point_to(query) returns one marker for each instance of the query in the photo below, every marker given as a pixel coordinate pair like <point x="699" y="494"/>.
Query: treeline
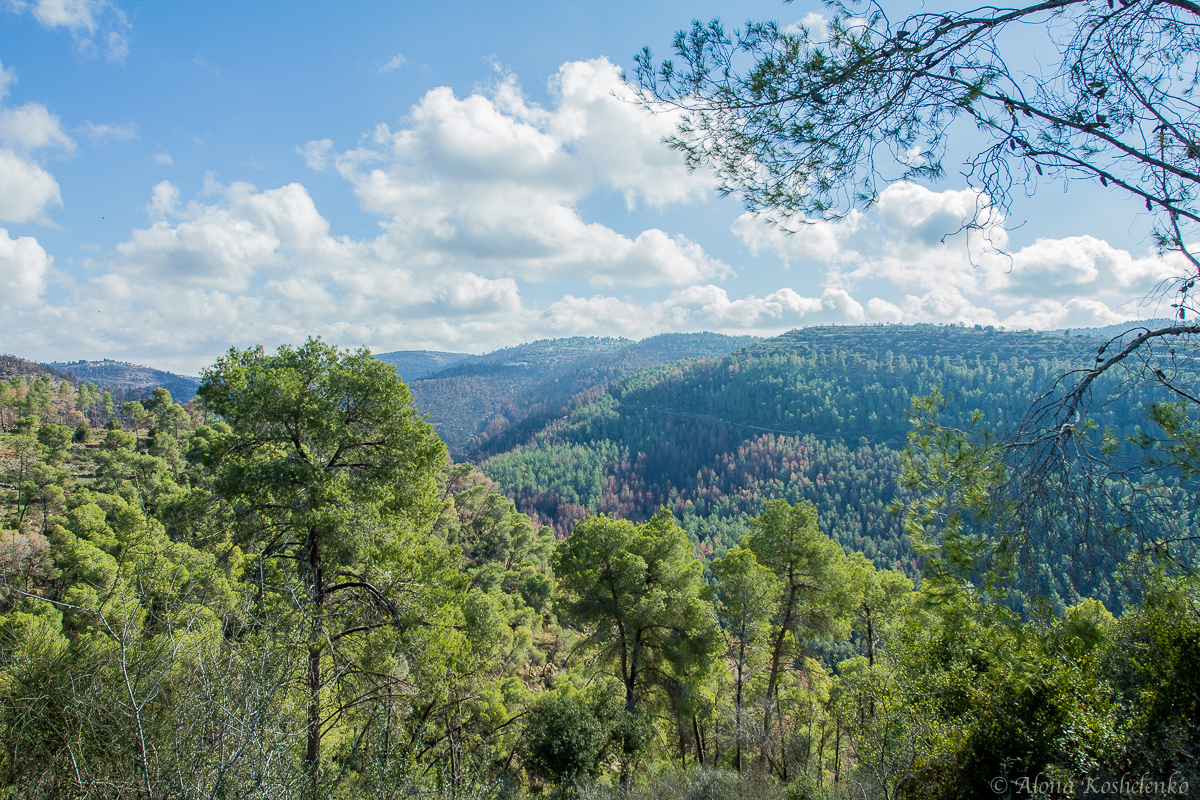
<point x="295" y="594"/>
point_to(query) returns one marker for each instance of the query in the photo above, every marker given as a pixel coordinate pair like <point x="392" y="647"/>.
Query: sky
<point x="180" y="178"/>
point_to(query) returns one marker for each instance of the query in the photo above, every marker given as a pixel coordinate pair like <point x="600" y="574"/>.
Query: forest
<point x="818" y="415"/>
<point x="285" y="588"/>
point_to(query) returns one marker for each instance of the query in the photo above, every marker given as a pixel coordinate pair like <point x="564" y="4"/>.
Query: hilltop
<point x="135" y="380"/>
<point x="483" y="404"/>
<point x="413" y="365"/>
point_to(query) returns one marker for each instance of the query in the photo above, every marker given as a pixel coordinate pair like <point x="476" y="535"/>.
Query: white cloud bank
<point x="23" y="268"/>
<point x="911" y="259"/>
<point x="491" y="183"/>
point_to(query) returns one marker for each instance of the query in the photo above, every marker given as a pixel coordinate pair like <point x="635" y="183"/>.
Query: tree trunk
<point x="777" y="656"/>
<point x="737" y="702"/>
<point x="312" y="756"/>
<point x="630" y="709"/>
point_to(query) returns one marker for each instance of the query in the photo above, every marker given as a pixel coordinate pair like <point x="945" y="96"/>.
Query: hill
<point x="1110" y="331"/>
<point x="412" y="365"/>
<point x="483" y="404"/>
<point x="12" y="366"/>
<point x="134" y="380"/>
<point x="817" y="414"/>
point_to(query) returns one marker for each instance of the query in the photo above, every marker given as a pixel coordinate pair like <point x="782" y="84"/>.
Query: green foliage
<point x="954" y="477"/>
<point x="637" y="593"/>
<point x="566" y="735"/>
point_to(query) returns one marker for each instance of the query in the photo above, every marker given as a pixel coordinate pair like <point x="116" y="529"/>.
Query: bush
<point x="564" y="738"/>
<point x="82" y="435"/>
<point x="695" y="783"/>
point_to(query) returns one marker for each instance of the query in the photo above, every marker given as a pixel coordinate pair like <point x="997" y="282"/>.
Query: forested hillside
<point x="284" y="589"/>
<point x="483" y="403"/>
<point x="818" y="414"/>
<point x="413" y="365"/>
<point x="135" y="380"/>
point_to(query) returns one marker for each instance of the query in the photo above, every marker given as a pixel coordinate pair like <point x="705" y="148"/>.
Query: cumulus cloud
<point x="8" y="77"/>
<point x="491" y="183"/>
<point x="243" y="265"/>
<point x="97" y="25"/>
<point x="698" y="308"/>
<point x="316" y="153"/>
<point x="32" y="127"/>
<point x="928" y="256"/>
<point x="26" y="190"/>
<point x="1075" y="313"/>
<point x="23" y="268"/>
<point x="599" y="117"/>
<point x="813" y="24"/>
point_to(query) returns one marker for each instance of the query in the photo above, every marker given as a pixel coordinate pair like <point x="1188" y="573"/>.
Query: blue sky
<point x="177" y="178"/>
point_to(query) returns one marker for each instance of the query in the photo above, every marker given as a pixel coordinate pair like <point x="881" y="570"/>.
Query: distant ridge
<point x="14" y="365"/>
<point x="135" y="380"/>
<point x="1110" y="331"/>
<point x="481" y="404"/>
<point x="415" y="364"/>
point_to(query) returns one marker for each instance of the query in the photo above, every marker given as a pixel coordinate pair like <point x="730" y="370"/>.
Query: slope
<point x="490" y="403"/>
<point x="132" y="380"/>
<point x="817" y="414"/>
<point x="413" y="365"/>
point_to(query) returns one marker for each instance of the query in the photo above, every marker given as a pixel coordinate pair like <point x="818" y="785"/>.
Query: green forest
<point x="285" y="588"/>
<point x="819" y="415"/>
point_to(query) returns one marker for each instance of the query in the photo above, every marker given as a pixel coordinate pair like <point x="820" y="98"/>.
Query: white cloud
<point x="26" y="190"/>
<point x="33" y="127"/>
<point x="163" y="158"/>
<point x="813" y="25"/>
<point x="261" y="266"/>
<point x="921" y="261"/>
<point x="698" y="308"/>
<point x="490" y="183"/>
<point x="1075" y="313"/>
<point x="23" y="268"/>
<point x="395" y="62"/>
<point x="164" y="200"/>
<point x="95" y="24"/>
<point x="8" y="77"/>
<point x="599" y="117"/>
<point x="123" y="132"/>
<point x="1060" y="268"/>
<point x="316" y="153"/>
